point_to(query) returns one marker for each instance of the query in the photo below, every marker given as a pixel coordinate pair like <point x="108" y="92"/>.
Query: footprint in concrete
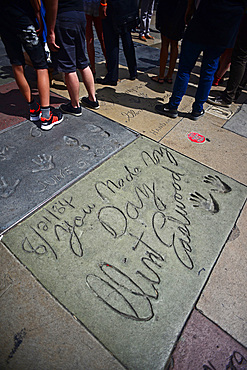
<point x="209" y="204"/>
<point x="218" y="185"/>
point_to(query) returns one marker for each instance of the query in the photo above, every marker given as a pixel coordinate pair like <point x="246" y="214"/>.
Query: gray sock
<point x="45" y="111"/>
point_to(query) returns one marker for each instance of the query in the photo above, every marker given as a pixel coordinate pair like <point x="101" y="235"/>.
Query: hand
<point x="102" y="11"/>
<point x="51" y="41"/>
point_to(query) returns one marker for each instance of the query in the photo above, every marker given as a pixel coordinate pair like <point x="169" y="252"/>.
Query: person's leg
<point x="144" y="15"/>
<point x="173" y="59"/>
<point x="90" y="41"/>
<point x="188" y="57"/>
<point x="149" y="18"/>
<point x="209" y="65"/>
<point x="99" y="31"/>
<point x="111" y="39"/>
<point x="72" y="83"/>
<point x="242" y="84"/>
<point x="22" y="82"/>
<point x="129" y="52"/>
<point x="224" y="64"/>
<point x="43" y="84"/>
<point x="237" y="70"/>
<point x="88" y="80"/>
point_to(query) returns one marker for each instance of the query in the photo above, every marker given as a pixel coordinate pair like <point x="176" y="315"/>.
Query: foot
<point x="105" y="81"/>
<point x="90" y="104"/>
<point x="149" y="37"/>
<point x="217" y="100"/>
<point x="196" y="115"/>
<point x="142" y="38"/>
<point x="166" y="110"/>
<point x="55" y="118"/>
<point x="158" y="79"/>
<point x="168" y="80"/>
<point x="69" y="109"/>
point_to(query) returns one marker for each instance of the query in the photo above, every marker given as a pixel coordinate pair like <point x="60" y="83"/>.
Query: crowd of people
<point x="215" y="29"/>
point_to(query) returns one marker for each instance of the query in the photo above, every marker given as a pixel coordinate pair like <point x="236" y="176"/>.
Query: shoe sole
<point x="196" y="118"/>
<point x="49" y="127"/>
<point x="89" y="106"/>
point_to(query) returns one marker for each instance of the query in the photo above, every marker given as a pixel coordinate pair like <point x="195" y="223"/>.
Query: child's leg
<point x="43" y="84"/>
<point x="173" y="58"/>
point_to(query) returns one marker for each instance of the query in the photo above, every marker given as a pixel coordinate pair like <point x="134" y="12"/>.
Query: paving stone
<point x="224" y="299"/>
<point x="223" y="151"/>
<point x="238" y="122"/>
<point x="36" y="165"/>
<point x="132" y="103"/>
<point x="13" y="107"/>
<point x="37" y="332"/>
<point x="128" y="248"/>
<point x="203" y="345"/>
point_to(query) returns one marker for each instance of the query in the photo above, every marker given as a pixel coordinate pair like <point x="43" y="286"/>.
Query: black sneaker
<point x="196" y="115"/>
<point x="67" y="108"/>
<point x="90" y="104"/>
<point x="55" y="118"/>
<point x="166" y="111"/>
<point x="105" y="81"/>
<point x="217" y="100"/>
<point x="35" y="114"/>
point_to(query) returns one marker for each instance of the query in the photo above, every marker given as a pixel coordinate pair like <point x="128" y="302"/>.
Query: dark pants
<point x="111" y="38"/>
<point x="238" y="75"/>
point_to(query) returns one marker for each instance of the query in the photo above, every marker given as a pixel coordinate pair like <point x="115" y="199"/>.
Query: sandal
<point x="158" y="79"/>
<point x="168" y="80"/>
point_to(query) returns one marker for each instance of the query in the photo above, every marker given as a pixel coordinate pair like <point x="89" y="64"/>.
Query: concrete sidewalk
<point x="123" y="232"/>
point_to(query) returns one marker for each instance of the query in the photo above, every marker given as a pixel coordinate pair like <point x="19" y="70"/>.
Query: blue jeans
<point x="190" y="52"/>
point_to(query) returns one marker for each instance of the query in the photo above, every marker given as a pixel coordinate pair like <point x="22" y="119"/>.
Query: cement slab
<point x="128" y="248"/>
<point x="36" y="165"/>
<point x="203" y="345"/>
<point x="13" y="107"/>
<point x="238" y="122"/>
<point x="37" y="332"/>
<point x="224" y="299"/>
<point x="223" y="150"/>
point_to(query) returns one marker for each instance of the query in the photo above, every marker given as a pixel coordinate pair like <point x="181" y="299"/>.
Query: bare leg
<point x="173" y="58"/>
<point x="163" y="57"/>
<point x="88" y="80"/>
<point x="72" y="83"/>
<point x="99" y="31"/>
<point x="22" y="82"/>
<point x="43" y="84"/>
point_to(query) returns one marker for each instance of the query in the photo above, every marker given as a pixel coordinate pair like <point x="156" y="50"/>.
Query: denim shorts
<point x="70" y="36"/>
<point x="23" y="35"/>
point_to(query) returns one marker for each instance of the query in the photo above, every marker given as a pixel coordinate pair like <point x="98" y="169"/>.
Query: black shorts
<point x="70" y="36"/>
<point x="21" y="35"/>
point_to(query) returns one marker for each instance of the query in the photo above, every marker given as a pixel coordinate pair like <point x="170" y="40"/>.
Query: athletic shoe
<point x="35" y="114"/>
<point x="166" y="111"/>
<point x="142" y="38"/>
<point x="55" y="118"/>
<point x="149" y="37"/>
<point x="196" y="115"/>
<point x="105" y="81"/>
<point x="90" y="104"/>
<point x="217" y="100"/>
<point x="68" y="109"/>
